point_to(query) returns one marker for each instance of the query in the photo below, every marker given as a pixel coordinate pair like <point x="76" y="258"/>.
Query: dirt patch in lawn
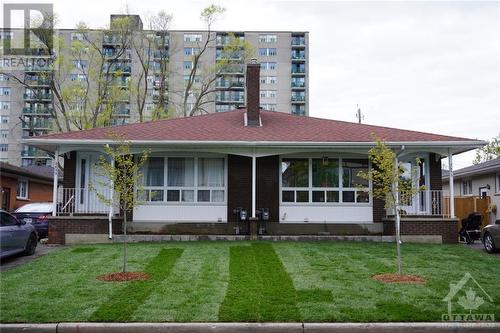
<point x="124" y="276"/>
<point x="399" y="278"/>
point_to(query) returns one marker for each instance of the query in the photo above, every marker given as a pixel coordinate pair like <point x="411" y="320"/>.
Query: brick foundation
<point x="444" y="227"/>
<point x="61" y="225"/>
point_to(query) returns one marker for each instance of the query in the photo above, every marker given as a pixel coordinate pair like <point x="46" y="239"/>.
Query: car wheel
<point x="489" y="245"/>
<point x="31" y="245"/>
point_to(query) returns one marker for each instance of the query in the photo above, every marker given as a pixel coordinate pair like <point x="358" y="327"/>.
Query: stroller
<point x="471" y="228"/>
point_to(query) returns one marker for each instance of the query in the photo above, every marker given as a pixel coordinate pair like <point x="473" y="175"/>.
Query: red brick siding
<point x="446" y="228"/>
<point x="268" y="186"/>
<point x="239" y="186"/>
<point x="253" y="94"/>
<point x="37" y="192"/>
<point x="59" y="227"/>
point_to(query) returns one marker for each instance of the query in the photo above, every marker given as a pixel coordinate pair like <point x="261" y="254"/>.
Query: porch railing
<point x="81" y="201"/>
<point x="426" y="203"/>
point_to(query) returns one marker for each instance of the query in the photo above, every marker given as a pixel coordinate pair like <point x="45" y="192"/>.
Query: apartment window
<point x="268" y="80"/>
<point x="4" y="105"/>
<point x="4" y="77"/>
<point x="190" y="179"/>
<point x="188" y="65"/>
<point x="4" y="119"/>
<point x="192" y="37"/>
<point x="268" y="38"/>
<point x="4" y="147"/>
<point x="268" y="93"/>
<point x="6" y="35"/>
<point x="22" y="189"/>
<point x="77" y="36"/>
<point x="4" y="91"/>
<point x="268" y="107"/>
<point x="189" y="51"/>
<point x="271" y="51"/>
<point x="268" y="65"/>
<point x="324" y="180"/>
<point x="4" y="134"/>
<point x="80" y="64"/>
<point x="78" y="77"/>
<point x="467" y="187"/>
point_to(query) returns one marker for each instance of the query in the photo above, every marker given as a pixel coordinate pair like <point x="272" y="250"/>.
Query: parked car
<point x="36" y="214"/>
<point x="491" y="237"/>
<point x="16" y="236"/>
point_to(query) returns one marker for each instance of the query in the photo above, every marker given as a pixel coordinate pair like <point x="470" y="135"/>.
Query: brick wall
<point x="69" y="170"/>
<point x="446" y="228"/>
<point x="37" y="192"/>
<point x="60" y="226"/>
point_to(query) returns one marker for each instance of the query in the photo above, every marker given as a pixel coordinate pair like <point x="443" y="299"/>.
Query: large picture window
<point x="189" y="179"/>
<point x="323" y="180"/>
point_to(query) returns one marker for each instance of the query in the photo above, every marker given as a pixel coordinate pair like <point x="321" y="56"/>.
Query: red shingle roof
<point x="229" y="126"/>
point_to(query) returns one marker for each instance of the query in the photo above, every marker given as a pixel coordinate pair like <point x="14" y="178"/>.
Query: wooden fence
<point x="466" y="205"/>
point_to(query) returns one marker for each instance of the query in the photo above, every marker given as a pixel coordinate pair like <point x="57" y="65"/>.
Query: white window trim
<point x="497" y="183"/>
<point x="310" y="188"/>
<point x="26" y="197"/>
<point x="195" y="187"/>
<point x="471" y="194"/>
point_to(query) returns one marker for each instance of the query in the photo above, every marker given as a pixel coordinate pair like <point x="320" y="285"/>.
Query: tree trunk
<point x="397" y="215"/>
<point x="125" y="240"/>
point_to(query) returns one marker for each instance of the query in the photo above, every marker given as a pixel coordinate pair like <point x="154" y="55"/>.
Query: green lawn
<point x="243" y="281"/>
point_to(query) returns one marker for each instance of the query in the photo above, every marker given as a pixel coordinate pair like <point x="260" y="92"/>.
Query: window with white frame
<point x="467" y="187"/>
<point x="4" y="77"/>
<point x="22" y="189"/>
<point x="268" y="51"/>
<point x="192" y="37"/>
<point x="4" y="134"/>
<point x="4" y="91"/>
<point x="268" y="80"/>
<point x="268" y="65"/>
<point x="4" y="147"/>
<point x="268" y="93"/>
<point x="77" y="36"/>
<point x="184" y="180"/>
<point x="268" y="38"/>
<point x="6" y="35"/>
<point x="4" y="105"/>
<point x="269" y="107"/>
<point x="497" y="183"/>
<point x="324" y="181"/>
<point x="4" y="119"/>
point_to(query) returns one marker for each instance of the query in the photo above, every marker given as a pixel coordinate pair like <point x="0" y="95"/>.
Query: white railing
<point x="427" y="202"/>
<point x="81" y="201"/>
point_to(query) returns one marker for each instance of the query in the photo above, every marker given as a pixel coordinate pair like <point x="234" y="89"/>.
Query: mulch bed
<point x="399" y="278"/>
<point x="124" y="276"/>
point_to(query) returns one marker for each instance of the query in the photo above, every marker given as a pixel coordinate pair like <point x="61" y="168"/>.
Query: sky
<point x="426" y="66"/>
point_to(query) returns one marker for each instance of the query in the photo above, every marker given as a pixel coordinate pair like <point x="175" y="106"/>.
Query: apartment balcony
<point x="230" y="99"/>
<point x="298" y="85"/>
<point x="233" y="70"/>
<point x="298" y="57"/>
<point x="38" y="97"/>
<point x="299" y="111"/>
<point x="298" y="42"/>
<point x="298" y="99"/>
<point x="298" y="71"/>
<point x="121" y="69"/>
<point x="33" y="152"/>
<point x="157" y="84"/>
<point x="230" y="85"/>
<point x="38" y="124"/>
<point x="121" y="112"/>
<point x="38" y="82"/>
<point x="111" y="40"/>
<point x="47" y="111"/>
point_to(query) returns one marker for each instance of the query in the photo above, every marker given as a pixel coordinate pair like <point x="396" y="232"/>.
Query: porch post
<point x="452" y="184"/>
<point x="254" y="182"/>
<point x="55" y="165"/>
<point x="111" y="197"/>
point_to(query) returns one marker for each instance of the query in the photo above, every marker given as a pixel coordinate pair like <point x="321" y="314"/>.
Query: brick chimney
<point x="253" y="93"/>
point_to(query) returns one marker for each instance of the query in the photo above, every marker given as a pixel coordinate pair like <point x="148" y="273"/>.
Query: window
<point x="269" y="107"/>
<point x="77" y="36"/>
<point x="7" y="220"/>
<point x="467" y="187"/>
<point x="22" y="189"/>
<point x="268" y="65"/>
<point x="80" y="64"/>
<point x="498" y="183"/>
<point x="4" y="134"/>
<point x="324" y="180"/>
<point x="268" y="39"/>
<point x="4" y="147"/>
<point x="192" y="37"/>
<point x="188" y="51"/>
<point x="4" y="119"/>
<point x="4" y="77"/>
<point x="271" y="51"/>
<point x="189" y="179"/>
<point x="5" y="91"/>
<point x="268" y="80"/>
<point x="268" y="93"/>
<point x="4" y="105"/>
<point x="6" y="35"/>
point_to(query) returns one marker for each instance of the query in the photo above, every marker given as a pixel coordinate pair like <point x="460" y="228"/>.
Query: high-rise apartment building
<point x="29" y="108"/>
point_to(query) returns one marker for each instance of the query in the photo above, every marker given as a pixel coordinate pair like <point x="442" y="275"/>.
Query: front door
<point x="416" y="175"/>
<point x="89" y="182"/>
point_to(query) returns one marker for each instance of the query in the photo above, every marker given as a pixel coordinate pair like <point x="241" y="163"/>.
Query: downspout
<point x="451" y="184"/>
<point x="55" y="182"/>
<point x="111" y="202"/>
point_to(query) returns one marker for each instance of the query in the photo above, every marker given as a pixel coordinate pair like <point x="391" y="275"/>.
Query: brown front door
<point x="6" y="198"/>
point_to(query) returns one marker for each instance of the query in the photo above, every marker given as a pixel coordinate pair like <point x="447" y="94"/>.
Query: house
<point x="205" y="172"/>
<point x="22" y="185"/>
<point x="481" y="180"/>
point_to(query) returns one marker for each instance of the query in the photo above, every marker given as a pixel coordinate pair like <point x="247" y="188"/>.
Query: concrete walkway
<point x="438" y="327"/>
<point x="21" y="259"/>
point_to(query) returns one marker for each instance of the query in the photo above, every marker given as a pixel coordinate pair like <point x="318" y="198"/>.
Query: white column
<point x="55" y="165"/>
<point x="254" y="186"/>
<point x="111" y="197"/>
<point x="452" y="184"/>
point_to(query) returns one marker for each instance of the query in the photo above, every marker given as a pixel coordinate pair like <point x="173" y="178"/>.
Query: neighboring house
<point x="25" y="185"/>
<point x="303" y="170"/>
<point x="481" y="180"/>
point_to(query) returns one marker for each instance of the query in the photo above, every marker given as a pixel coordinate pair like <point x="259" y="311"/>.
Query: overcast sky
<point x="427" y="66"/>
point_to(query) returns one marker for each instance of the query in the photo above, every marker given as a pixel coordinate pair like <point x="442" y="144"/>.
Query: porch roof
<point x="278" y="129"/>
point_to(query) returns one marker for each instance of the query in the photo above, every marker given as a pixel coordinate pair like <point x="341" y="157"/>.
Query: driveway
<point x="17" y="260"/>
<point x="478" y="246"/>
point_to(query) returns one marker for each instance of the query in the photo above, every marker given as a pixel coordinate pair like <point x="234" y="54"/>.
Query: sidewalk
<point x="438" y="327"/>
